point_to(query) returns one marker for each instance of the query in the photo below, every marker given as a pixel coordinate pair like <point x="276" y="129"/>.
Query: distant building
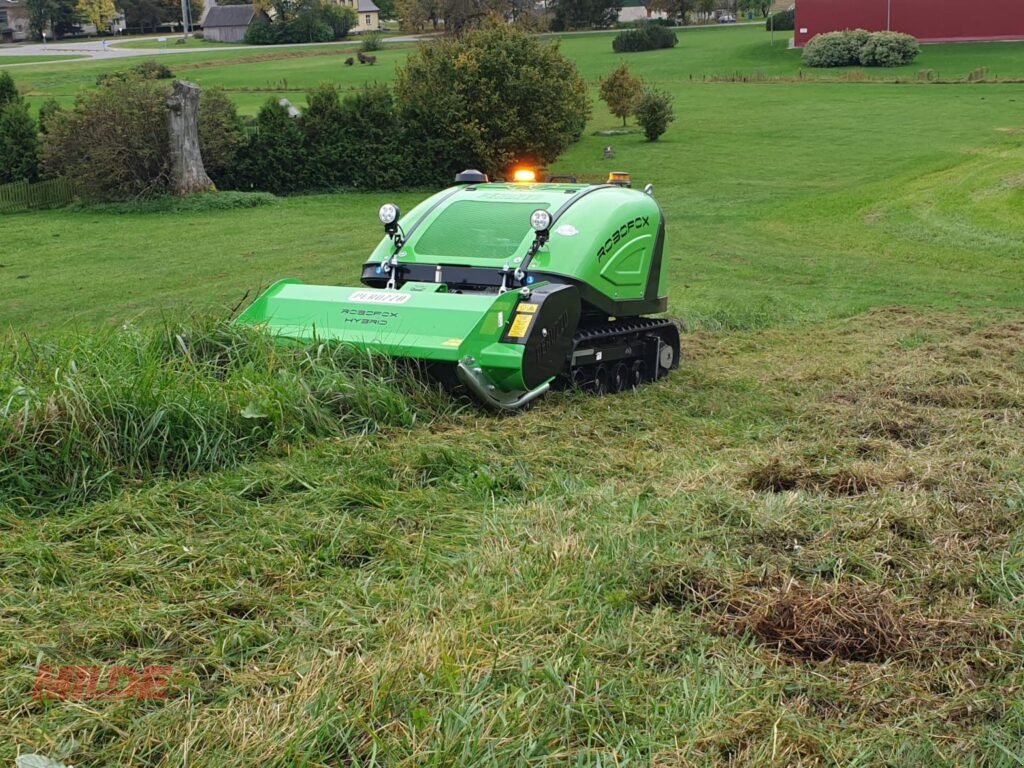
<point x="932" y="21"/>
<point x="368" y="14"/>
<point x="638" y="10"/>
<point x="13" y="21"/>
<point x="229" y="23"/>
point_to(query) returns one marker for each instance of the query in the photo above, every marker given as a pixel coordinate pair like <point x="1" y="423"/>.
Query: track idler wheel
<point x="618" y="380"/>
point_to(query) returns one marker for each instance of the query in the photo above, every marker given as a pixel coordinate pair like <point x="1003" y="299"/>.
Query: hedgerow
<point x="644" y="37"/>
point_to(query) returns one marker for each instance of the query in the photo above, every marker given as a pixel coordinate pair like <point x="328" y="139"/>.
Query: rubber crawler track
<point x="626" y="355"/>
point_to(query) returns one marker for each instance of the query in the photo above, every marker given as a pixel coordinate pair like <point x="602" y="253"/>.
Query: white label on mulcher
<point x="379" y="297"/>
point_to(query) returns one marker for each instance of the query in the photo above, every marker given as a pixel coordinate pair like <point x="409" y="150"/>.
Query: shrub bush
<point x="654" y="113"/>
<point x="273" y="159"/>
<point x="889" y="49"/>
<point x="220" y="134"/>
<point x="198" y="203"/>
<point x="835" y="49"/>
<point x="263" y="33"/>
<point x="144" y="70"/>
<point x="857" y="47"/>
<point x="114" y="142"/>
<point x="352" y="142"/>
<point x="374" y="41"/>
<point x="645" y="37"/>
<point x="47" y="111"/>
<point x="488" y="99"/>
<point x="783" y="20"/>
<point x="153" y="70"/>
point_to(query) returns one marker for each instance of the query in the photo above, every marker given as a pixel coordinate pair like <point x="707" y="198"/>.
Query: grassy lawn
<point x="172" y="41"/>
<point x="804" y="548"/>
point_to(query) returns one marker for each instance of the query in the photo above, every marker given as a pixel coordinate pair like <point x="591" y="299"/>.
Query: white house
<point x="638" y="10"/>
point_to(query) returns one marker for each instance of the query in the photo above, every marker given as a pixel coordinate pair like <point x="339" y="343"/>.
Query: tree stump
<point x="188" y="175"/>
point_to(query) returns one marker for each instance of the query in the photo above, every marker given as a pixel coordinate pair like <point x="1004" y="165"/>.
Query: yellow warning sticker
<point x="524" y="307"/>
<point x="451" y="343"/>
<point x="520" y="325"/>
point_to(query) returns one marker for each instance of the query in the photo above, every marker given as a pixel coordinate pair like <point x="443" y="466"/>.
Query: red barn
<point x="931" y="21"/>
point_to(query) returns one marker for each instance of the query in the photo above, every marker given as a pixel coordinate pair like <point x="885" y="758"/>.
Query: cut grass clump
<point x="778" y="475"/>
<point x="820" y="622"/>
<point x="200" y="203"/>
<point x="82" y="417"/>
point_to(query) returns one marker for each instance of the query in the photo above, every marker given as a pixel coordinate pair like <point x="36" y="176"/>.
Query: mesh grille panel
<point x="478" y="229"/>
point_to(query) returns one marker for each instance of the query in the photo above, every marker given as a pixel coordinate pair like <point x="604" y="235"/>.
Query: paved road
<point x="95" y="50"/>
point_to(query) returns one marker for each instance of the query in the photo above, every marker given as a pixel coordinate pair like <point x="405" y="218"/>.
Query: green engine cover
<point x="608" y="241"/>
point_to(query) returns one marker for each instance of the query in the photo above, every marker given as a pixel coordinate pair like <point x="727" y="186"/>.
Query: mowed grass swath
<point x="803" y="548"/>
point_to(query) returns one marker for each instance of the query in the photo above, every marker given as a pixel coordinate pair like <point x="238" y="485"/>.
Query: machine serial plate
<point x="379" y="297"/>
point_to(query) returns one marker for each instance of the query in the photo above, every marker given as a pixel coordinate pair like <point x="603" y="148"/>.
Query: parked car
<point x="726" y="18"/>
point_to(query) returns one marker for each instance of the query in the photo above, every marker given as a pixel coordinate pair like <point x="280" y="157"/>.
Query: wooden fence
<point x="22" y="196"/>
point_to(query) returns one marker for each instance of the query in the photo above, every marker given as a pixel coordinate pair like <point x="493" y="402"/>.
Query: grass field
<point x="255" y="75"/>
<point x="804" y="548"/>
<point x="33" y="59"/>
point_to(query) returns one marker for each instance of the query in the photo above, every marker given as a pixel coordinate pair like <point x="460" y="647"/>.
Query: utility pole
<point x="186" y="18"/>
<point x="888" y="15"/>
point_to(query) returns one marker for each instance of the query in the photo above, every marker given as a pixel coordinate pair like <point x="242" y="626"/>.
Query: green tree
<point x="61" y="16"/>
<point x="585" y="14"/>
<point x="19" y="144"/>
<point x="676" y="9"/>
<point x="621" y="92"/>
<point x="19" y="135"/>
<point x="142" y="15"/>
<point x="417" y="15"/>
<point x="99" y="12"/>
<point x="488" y="99"/>
<point x="763" y="7"/>
<point x="654" y="112"/>
<point x="8" y="90"/>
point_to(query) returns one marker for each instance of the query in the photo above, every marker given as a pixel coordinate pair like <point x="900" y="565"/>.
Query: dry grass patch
<point x="850" y="622"/>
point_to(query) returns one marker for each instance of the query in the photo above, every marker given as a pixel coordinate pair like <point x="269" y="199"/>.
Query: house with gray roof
<point x="367" y="12"/>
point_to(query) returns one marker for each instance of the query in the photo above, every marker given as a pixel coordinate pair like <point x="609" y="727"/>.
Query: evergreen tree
<point x="19" y="144"/>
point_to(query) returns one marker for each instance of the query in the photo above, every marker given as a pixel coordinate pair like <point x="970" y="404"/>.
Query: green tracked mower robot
<point x="508" y="288"/>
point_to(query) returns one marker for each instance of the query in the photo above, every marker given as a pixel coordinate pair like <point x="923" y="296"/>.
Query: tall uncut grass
<point x="81" y="417"/>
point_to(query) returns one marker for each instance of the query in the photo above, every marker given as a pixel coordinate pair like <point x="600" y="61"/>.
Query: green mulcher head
<point x="515" y="287"/>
